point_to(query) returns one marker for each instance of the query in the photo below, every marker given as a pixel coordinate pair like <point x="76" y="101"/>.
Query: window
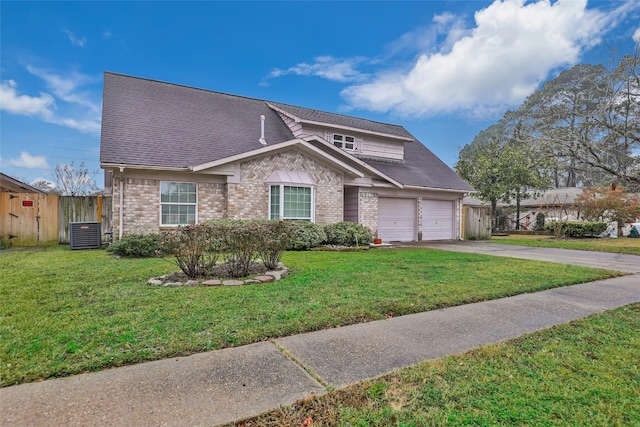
<point x="178" y="202"/>
<point x="290" y="202"/>
<point x="344" y="141"/>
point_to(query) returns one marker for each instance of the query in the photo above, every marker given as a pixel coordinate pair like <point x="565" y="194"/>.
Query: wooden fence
<point x="476" y="222"/>
<point x="31" y="219"/>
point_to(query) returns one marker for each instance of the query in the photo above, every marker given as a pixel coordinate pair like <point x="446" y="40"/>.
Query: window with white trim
<point x="344" y="141"/>
<point x="291" y="202"/>
<point x="178" y="203"/>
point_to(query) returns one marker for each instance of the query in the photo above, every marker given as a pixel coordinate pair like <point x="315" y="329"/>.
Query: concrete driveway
<point x="609" y="261"/>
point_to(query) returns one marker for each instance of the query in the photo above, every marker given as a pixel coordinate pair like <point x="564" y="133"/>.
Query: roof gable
<point x="151" y="123"/>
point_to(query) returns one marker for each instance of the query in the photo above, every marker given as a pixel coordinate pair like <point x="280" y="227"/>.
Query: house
<point x="175" y="155"/>
<point x="9" y="184"/>
<point x="557" y="204"/>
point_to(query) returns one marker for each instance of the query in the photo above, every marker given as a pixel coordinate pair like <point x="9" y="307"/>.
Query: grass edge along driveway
<point x="66" y="312"/>
<point x="620" y="245"/>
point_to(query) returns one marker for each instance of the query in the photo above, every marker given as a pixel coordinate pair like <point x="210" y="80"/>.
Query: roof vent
<point x="262" y="140"/>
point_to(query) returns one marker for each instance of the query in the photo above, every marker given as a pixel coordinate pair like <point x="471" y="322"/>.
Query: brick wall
<point x="368" y="211"/>
<point x="250" y="198"/>
<point x="141" y="212"/>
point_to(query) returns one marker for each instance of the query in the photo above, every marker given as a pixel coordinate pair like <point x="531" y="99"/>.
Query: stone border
<point x="269" y="276"/>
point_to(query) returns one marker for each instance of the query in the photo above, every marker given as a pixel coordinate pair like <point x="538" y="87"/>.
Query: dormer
<point x="360" y="137"/>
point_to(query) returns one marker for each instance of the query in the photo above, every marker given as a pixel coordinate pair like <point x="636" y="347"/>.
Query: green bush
<point x="304" y="235"/>
<point x="577" y="229"/>
<point x="540" y="219"/>
<point x="348" y="234"/>
<point x="195" y="247"/>
<point x="240" y="240"/>
<point x="136" y="246"/>
<point x="275" y="238"/>
<point x="3" y="243"/>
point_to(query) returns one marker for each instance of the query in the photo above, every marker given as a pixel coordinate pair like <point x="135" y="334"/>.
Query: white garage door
<point x="396" y="219"/>
<point x="437" y="220"/>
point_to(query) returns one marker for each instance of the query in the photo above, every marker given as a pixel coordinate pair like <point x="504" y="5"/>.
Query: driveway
<point x="609" y="261"/>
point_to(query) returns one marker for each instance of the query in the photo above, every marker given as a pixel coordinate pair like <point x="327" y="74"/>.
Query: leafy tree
<point x="588" y="118"/>
<point x="72" y="181"/>
<point x="609" y="204"/>
<point x="502" y="169"/>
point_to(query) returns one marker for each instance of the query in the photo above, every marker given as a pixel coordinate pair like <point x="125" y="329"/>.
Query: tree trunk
<point x="518" y="197"/>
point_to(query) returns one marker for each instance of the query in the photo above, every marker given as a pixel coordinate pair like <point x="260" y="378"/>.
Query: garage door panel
<point x="396" y="219"/>
<point x="438" y="220"/>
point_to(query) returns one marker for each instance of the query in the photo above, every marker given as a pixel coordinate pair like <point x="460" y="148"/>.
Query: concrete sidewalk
<point x="231" y="384"/>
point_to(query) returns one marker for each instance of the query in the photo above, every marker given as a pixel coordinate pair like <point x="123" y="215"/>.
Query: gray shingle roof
<point x="157" y="124"/>
<point x="339" y="119"/>
<point x="421" y="168"/>
<point x="179" y="126"/>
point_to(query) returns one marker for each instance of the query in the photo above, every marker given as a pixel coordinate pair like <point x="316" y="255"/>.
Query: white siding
<point x="438" y="220"/>
<point x="367" y="145"/>
<point x="396" y="219"/>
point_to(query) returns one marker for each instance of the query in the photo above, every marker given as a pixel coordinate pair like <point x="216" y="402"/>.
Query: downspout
<point x="121" y="207"/>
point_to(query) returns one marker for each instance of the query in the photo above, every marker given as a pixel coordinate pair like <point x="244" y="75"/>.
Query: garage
<point x="438" y="220"/>
<point x="396" y="219"/>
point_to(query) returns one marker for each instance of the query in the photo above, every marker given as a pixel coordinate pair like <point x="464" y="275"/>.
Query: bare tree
<point x="46" y="186"/>
<point x="72" y="181"/>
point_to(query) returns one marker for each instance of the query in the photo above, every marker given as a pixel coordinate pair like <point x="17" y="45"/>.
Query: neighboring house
<point x="558" y="204"/>
<point x="9" y="184"/>
<point x="175" y="155"/>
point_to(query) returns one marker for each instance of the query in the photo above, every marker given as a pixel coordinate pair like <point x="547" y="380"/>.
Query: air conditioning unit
<point x="84" y="235"/>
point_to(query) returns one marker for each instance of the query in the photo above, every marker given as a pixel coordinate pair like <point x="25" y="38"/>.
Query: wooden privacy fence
<point x="31" y="219"/>
<point x="477" y="222"/>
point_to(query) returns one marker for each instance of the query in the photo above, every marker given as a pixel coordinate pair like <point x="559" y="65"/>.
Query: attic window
<point x="344" y="141"/>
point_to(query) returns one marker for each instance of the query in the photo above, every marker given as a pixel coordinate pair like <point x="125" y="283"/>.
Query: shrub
<point x="348" y="234"/>
<point x="304" y="235"/>
<point x="136" y="246"/>
<point x="240" y="242"/>
<point x="577" y="229"/>
<point x="195" y="247"/>
<point x="3" y="243"/>
<point x="274" y="241"/>
<point x="540" y="219"/>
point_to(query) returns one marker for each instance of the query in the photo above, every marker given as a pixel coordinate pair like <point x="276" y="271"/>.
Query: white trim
<point x="123" y="166"/>
<point x="415" y="187"/>
<point x="331" y="125"/>
<point x="353" y="159"/>
<point x="242" y="156"/>
<point x="281" y="216"/>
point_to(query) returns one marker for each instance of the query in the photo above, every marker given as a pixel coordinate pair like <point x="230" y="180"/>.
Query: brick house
<point x="174" y="155"/>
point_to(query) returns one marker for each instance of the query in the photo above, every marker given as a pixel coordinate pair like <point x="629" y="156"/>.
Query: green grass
<point x="583" y="373"/>
<point x="65" y="312"/>
<point x="620" y="245"/>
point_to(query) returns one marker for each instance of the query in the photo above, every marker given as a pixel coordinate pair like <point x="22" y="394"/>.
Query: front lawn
<point x="621" y="245"/>
<point x="583" y="373"/>
<point x="65" y="312"/>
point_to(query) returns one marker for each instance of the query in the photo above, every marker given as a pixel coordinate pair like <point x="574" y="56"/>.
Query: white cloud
<point x="27" y="161"/>
<point x="45" y="106"/>
<point x="66" y="87"/>
<point x="512" y="48"/>
<point x="76" y="41"/>
<point x="25" y="105"/>
<point x="328" y="67"/>
<point x="636" y="36"/>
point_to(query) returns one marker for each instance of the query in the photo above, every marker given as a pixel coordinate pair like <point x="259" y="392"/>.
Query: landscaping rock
<point x="232" y="283"/>
<point x="212" y="282"/>
<point x="178" y="278"/>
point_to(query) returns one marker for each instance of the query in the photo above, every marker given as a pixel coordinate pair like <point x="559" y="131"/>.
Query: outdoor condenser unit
<point x="84" y="235"/>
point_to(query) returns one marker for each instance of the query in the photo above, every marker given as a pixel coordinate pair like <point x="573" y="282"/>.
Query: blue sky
<point x="443" y="69"/>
